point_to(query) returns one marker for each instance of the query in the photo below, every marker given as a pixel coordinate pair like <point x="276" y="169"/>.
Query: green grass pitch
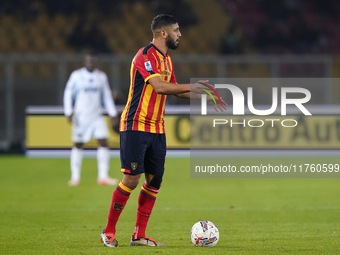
<point x="40" y="214"/>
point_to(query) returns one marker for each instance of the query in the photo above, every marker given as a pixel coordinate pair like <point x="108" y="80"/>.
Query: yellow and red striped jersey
<point x="144" y="109"/>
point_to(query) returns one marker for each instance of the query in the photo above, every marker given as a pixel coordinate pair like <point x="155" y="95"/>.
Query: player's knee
<point x="156" y="181"/>
<point x="131" y="181"/>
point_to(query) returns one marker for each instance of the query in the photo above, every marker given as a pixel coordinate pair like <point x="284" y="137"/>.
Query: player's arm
<point x="147" y="66"/>
<point x="167" y="88"/>
<point x="186" y="95"/>
<point x="212" y="101"/>
<point x="110" y="105"/>
<point x="108" y="100"/>
<point x="189" y="95"/>
<point x="68" y="97"/>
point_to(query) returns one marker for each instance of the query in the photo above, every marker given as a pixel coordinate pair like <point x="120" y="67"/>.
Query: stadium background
<point x="42" y="43"/>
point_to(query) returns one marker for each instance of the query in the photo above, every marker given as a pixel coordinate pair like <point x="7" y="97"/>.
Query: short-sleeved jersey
<point x="144" y="109"/>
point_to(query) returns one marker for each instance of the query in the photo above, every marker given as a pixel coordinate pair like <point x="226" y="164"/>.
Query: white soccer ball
<point x="204" y="233"/>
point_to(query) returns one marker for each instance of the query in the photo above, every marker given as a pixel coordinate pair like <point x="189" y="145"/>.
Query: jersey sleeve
<point x="147" y="65"/>
<point x="107" y="98"/>
<point x="68" y="95"/>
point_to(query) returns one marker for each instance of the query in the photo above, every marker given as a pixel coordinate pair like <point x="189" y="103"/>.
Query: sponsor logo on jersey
<point x="90" y="89"/>
<point x="148" y="66"/>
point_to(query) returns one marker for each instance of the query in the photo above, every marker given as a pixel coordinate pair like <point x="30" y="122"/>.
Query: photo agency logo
<point x="239" y="105"/>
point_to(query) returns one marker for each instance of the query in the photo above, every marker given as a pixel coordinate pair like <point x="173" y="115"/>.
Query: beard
<point x="170" y="43"/>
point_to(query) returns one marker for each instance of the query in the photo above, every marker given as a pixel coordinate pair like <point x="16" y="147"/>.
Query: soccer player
<point x="142" y="134"/>
<point x="86" y="90"/>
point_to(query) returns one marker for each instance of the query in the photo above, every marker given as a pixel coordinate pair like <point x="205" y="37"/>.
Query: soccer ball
<point x="204" y="233"/>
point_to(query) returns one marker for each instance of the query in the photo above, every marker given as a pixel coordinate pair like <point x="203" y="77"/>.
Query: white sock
<point x="76" y="160"/>
<point x="103" y="160"/>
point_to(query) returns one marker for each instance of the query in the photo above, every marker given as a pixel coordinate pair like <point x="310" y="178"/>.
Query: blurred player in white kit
<point x="86" y="91"/>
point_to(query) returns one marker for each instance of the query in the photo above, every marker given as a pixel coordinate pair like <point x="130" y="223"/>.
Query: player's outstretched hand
<point x="214" y="99"/>
<point x="115" y="123"/>
<point x="199" y="87"/>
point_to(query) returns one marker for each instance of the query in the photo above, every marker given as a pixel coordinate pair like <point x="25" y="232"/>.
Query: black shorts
<point x="142" y="152"/>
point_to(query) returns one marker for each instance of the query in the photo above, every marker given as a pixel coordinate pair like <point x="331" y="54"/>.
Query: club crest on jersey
<point x="148" y="66"/>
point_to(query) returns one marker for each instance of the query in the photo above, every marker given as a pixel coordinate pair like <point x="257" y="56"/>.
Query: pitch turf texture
<point x="40" y="214"/>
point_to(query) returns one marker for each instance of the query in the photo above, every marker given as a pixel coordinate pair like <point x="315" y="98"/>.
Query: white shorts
<point x="82" y="132"/>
